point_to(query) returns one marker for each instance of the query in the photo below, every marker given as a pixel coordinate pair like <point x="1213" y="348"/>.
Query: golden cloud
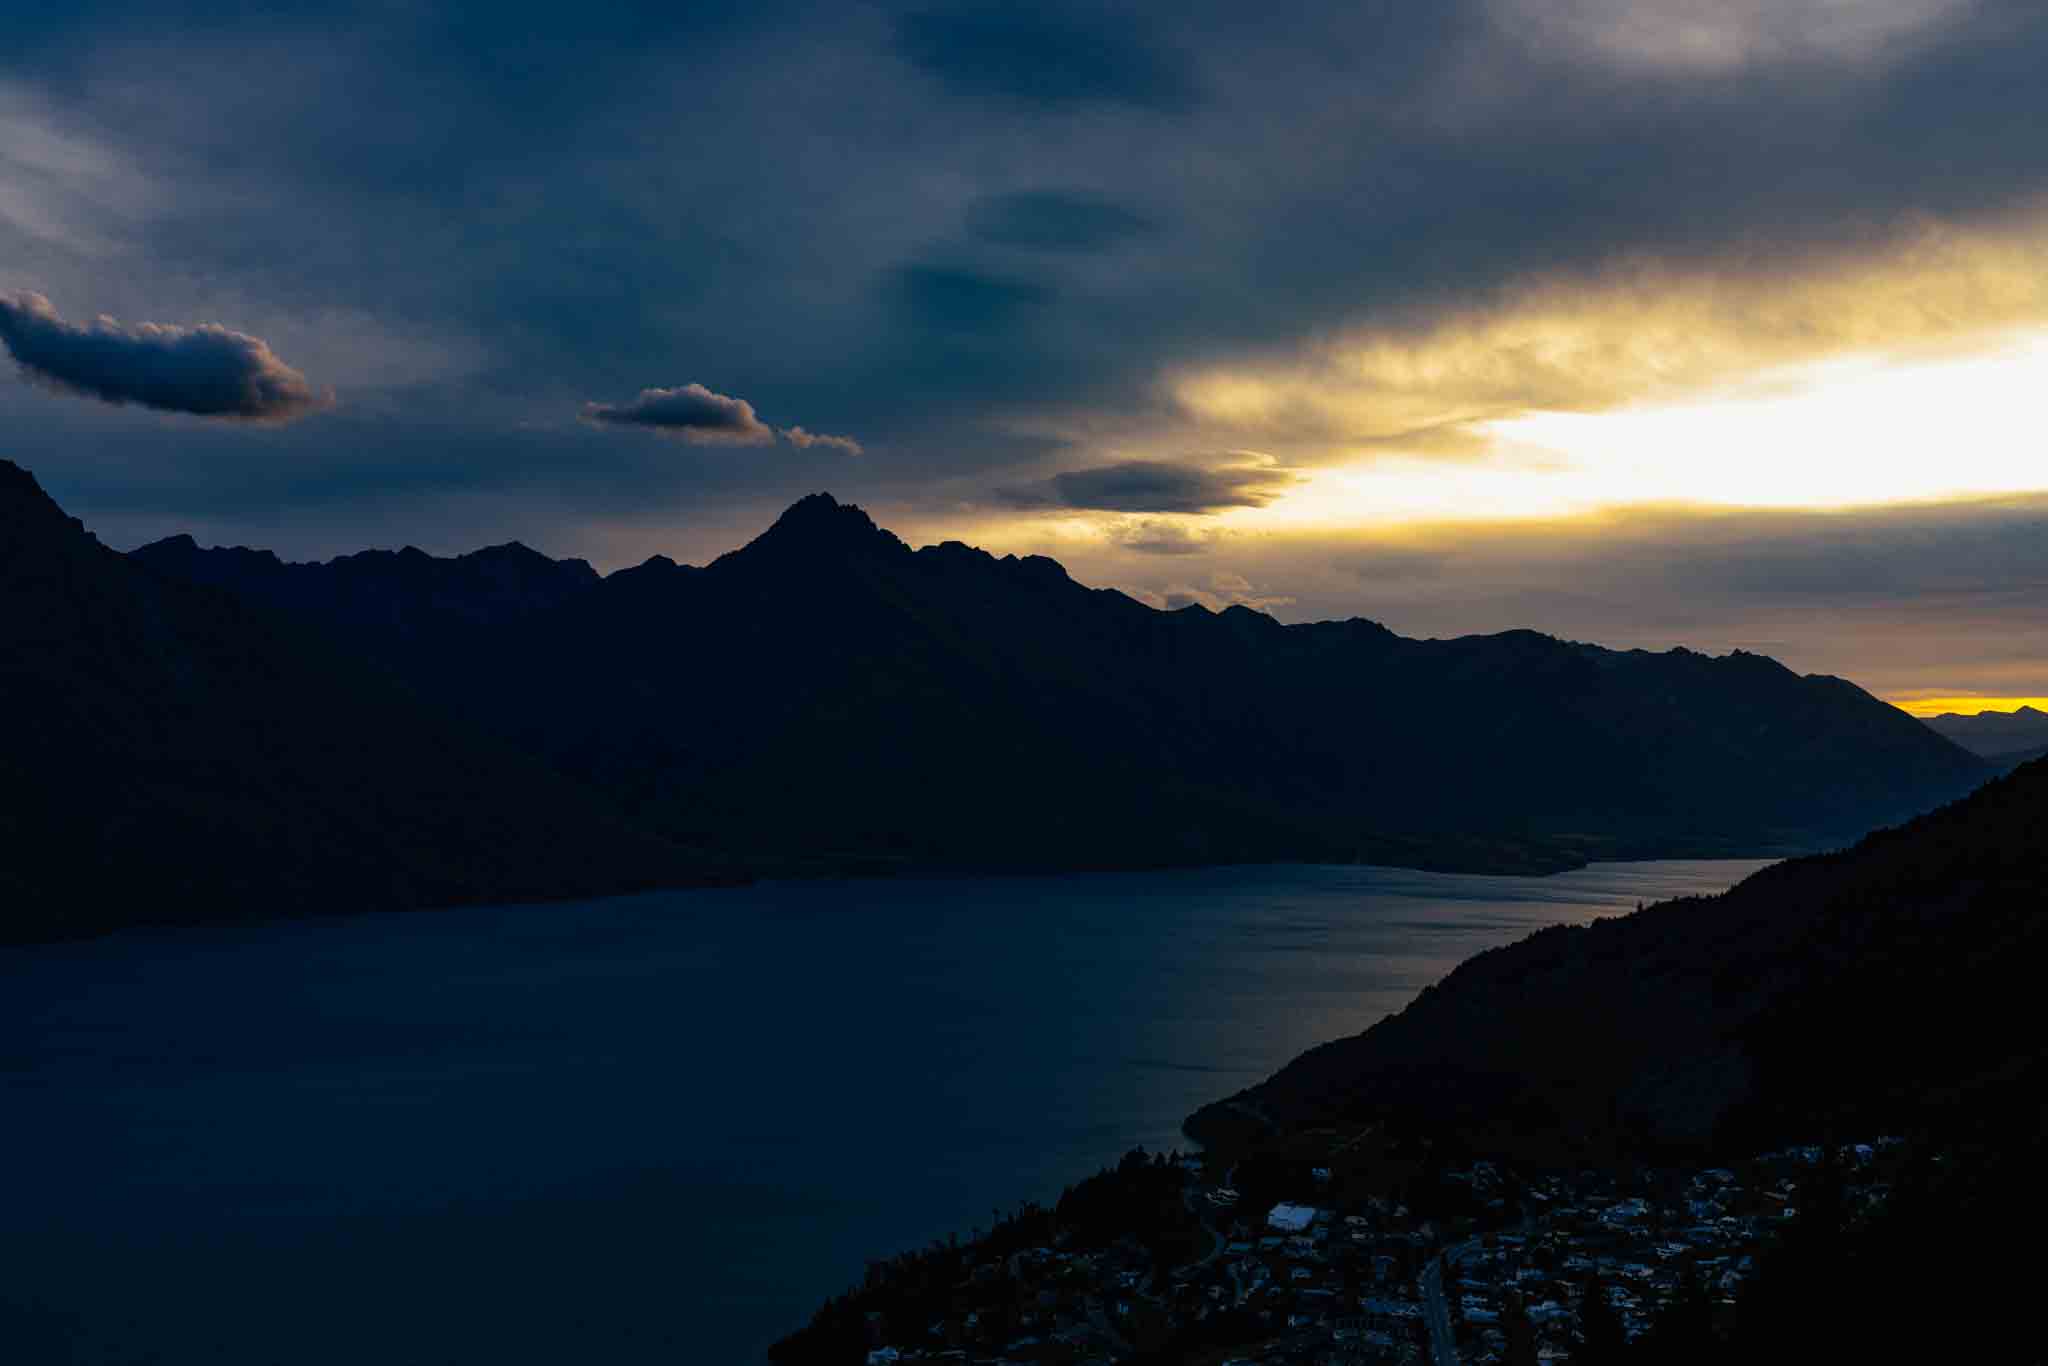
<point x="1638" y="331"/>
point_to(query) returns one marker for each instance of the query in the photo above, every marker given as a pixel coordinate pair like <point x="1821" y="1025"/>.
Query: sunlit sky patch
<point x="1966" y="706"/>
<point x="1855" y="431"/>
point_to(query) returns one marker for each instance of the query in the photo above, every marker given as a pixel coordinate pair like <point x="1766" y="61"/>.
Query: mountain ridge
<point x="1995" y="735"/>
<point x="182" y="754"/>
<point x="829" y="695"/>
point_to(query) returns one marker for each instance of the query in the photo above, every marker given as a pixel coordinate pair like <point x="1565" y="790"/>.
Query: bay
<point x="658" y="1128"/>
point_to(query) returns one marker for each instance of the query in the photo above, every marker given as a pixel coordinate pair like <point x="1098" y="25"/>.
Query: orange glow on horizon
<point x="1966" y="706"/>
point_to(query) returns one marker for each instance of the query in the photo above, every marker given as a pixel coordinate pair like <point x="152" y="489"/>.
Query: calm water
<point x="656" y="1129"/>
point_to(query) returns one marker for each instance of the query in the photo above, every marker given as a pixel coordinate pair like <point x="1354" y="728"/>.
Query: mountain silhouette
<point x="1879" y="989"/>
<point x="386" y="602"/>
<point x="827" y="697"/>
<point x="179" y="753"/>
<point x="2000" y="735"/>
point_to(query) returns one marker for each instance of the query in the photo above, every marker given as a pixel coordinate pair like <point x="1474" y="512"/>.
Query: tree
<point x="1685" y="1332"/>
<point x="1521" y="1331"/>
<point x="1603" y="1338"/>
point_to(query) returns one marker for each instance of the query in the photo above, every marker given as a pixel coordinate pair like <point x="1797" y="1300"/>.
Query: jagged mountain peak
<point x="23" y="496"/>
<point x="819" y="525"/>
<point x="30" y="518"/>
<point x="14" y="479"/>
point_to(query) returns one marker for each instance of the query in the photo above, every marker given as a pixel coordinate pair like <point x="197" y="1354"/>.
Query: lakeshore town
<point x="1303" y="1261"/>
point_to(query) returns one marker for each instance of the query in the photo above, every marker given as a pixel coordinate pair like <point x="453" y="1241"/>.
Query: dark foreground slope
<point x="1882" y="987"/>
<point x="175" y="754"/>
<point x="828" y="694"/>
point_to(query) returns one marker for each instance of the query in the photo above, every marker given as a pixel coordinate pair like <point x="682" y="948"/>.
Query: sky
<point x="1645" y="322"/>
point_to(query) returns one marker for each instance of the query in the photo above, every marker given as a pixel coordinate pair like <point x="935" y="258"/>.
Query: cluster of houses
<point x="1320" y="1281"/>
<point x="1642" y="1243"/>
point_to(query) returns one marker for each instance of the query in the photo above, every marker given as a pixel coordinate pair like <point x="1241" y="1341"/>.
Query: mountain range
<point x="2003" y="736"/>
<point x="826" y="699"/>
<point x="176" y="754"/>
<point x="827" y="693"/>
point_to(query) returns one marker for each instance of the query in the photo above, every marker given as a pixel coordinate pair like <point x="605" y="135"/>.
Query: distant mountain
<point x="1995" y="734"/>
<point x="827" y="697"/>
<point x="176" y="753"/>
<point x="1882" y="988"/>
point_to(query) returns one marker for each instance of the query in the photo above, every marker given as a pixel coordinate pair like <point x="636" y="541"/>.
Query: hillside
<point x="177" y="754"/>
<point x="1884" y="986"/>
<point x="826" y="696"/>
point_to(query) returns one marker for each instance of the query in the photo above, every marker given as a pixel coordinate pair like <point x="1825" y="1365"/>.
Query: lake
<point x="653" y="1129"/>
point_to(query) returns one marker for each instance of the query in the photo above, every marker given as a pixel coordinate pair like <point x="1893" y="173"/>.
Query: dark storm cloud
<point x="691" y="412"/>
<point x="1037" y="56"/>
<point x="1057" y="220"/>
<point x="1344" y="162"/>
<point x="1152" y="486"/>
<point x="208" y="370"/>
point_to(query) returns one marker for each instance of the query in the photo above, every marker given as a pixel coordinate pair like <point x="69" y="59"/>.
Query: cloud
<point x="1152" y="486"/>
<point x="1158" y="536"/>
<point x="1634" y="331"/>
<point x="706" y="418"/>
<point x="61" y="188"/>
<point x="208" y="370"/>
<point x="1035" y="56"/>
<point x="1224" y="589"/>
<point x="692" y="412"/>
<point x="1058" y="221"/>
<point x="803" y="441"/>
<point x="1718" y="35"/>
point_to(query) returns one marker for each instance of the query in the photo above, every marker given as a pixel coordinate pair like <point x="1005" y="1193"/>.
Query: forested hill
<point x="176" y="754"/>
<point x="826" y="696"/>
<point x="1886" y="986"/>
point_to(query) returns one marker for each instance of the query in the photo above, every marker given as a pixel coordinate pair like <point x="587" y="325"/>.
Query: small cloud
<point x="692" y="412"/>
<point x="1157" y="536"/>
<point x="1223" y="590"/>
<point x="1153" y="486"/>
<point x="803" y="441"/>
<point x="207" y="371"/>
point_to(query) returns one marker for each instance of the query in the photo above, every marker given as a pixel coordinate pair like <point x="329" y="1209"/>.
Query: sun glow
<point x="1919" y="705"/>
<point x="1858" y="431"/>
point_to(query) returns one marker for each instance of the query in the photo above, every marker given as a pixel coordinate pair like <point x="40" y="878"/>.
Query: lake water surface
<point x="655" y="1129"/>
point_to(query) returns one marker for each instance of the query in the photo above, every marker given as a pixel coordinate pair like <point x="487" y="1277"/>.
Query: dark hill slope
<point x="177" y="754"/>
<point x="825" y="692"/>
<point x="1874" y="988"/>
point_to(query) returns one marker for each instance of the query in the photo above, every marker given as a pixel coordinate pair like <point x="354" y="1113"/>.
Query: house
<point x="1291" y="1218"/>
